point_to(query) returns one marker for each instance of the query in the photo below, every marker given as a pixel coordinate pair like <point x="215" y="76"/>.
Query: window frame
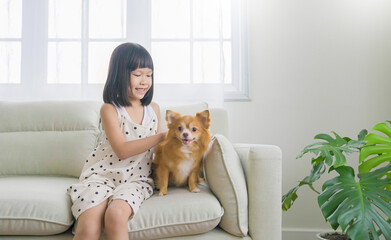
<point x="34" y="53"/>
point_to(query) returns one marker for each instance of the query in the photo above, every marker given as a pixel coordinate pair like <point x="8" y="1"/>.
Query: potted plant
<point x="360" y="205"/>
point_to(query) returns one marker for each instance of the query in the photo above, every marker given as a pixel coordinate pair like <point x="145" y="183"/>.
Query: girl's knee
<point x="117" y="213"/>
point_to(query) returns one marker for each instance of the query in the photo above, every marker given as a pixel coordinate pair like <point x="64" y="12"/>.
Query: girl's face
<point x="140" y="83"/>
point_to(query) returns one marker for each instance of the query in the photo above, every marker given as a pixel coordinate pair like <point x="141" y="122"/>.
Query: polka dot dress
<point x="104" y="175"/>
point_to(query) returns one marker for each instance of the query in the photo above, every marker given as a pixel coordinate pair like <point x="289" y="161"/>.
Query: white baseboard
<point x="301" y="234"/>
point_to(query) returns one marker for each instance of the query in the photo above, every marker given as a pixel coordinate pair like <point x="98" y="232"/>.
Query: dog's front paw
<point x="195" y="190"/>
<point x="161" y="193"/>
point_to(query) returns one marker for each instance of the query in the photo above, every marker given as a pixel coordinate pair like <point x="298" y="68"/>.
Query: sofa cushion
<point x="47" y="138"/>
<point x="225" y="176"/>
<point x="35" y="205"/>
<point x="178" y="213"/>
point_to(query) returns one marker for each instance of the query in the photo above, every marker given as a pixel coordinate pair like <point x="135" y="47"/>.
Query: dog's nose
<point x="185" y="135"/>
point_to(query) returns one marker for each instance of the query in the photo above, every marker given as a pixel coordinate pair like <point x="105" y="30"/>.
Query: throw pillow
<point x="225" y="176"/>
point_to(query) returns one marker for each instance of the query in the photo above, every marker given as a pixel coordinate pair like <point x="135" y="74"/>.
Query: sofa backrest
<point x="55" y="137"/>
<point x="47" y="138"/>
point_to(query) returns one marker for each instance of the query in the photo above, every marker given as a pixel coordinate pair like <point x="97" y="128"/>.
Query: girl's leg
<point x="89" y="224"/>
<point x="116" y="220"/>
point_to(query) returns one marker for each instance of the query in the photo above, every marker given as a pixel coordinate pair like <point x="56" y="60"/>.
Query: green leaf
<point x="316" y="172"/>
<point x="317" y="160"/>
<point x="376" y="139"/>
<point x="338" y="140"/>
<point x="362" y="134"/>
<point x="377" y="149"/>
<point x="340" y="159"/>
<point x="372" y="163"/>
<point x="325" y="137"/>
<point x="367" y="151"/>
<point x="289" y="198"/>
<point x="357" y="207"/>
<point x="333" y="149"/>
<point x="384" y="128"/>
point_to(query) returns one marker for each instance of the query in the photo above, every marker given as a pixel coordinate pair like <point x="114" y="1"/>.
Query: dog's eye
<point x="180" y="128"/>
<point x="194" y="129"/>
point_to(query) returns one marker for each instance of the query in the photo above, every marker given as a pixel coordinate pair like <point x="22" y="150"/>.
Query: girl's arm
<point x="122" y="148"/>
<point x="156" y="108"/>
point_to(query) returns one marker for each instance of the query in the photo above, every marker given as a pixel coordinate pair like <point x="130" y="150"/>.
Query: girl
<point x="115" y="179"/>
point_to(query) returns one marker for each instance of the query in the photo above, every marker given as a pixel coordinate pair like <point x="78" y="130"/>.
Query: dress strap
<point x="149" y="115"/>
<point x="118" y="113"/>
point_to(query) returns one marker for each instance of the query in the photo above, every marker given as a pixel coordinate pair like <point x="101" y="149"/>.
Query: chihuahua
<point x="178" y="158"/>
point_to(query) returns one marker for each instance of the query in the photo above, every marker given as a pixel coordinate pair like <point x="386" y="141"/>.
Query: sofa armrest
<point x="262" y="167"/>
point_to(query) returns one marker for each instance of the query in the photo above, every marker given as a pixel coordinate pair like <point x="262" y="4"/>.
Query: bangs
<point x="142" y="59"/>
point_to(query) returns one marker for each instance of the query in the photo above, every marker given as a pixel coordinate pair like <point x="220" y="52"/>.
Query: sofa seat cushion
<point x="178" y="213"/>
<point x="35" y="205"/>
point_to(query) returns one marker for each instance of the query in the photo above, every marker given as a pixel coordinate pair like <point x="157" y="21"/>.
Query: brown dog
<point x="179" y="157"/>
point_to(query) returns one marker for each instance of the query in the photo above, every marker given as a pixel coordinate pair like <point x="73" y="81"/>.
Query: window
<point x="199" y="35"/>
<point x="10" y="41"/>
<point x="52" y="48"/>
<point x="81" y="37"/>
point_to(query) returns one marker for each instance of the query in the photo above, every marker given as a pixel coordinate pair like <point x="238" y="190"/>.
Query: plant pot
<point x="332" y="236"/>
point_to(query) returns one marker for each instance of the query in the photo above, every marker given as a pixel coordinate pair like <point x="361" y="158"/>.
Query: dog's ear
<point x="204" y="118"/>
<point x="171" y="116"/>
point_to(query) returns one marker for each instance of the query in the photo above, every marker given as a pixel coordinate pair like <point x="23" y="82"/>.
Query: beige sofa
<point x="43" y="146"/>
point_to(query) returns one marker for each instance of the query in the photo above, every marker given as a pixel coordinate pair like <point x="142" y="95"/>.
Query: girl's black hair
<point x="126" y="58"/>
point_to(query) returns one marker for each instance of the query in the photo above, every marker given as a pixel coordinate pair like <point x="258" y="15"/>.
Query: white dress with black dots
<point x="105" y="175"/>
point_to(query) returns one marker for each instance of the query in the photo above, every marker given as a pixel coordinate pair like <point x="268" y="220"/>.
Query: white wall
<point x="316" y="66"/>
